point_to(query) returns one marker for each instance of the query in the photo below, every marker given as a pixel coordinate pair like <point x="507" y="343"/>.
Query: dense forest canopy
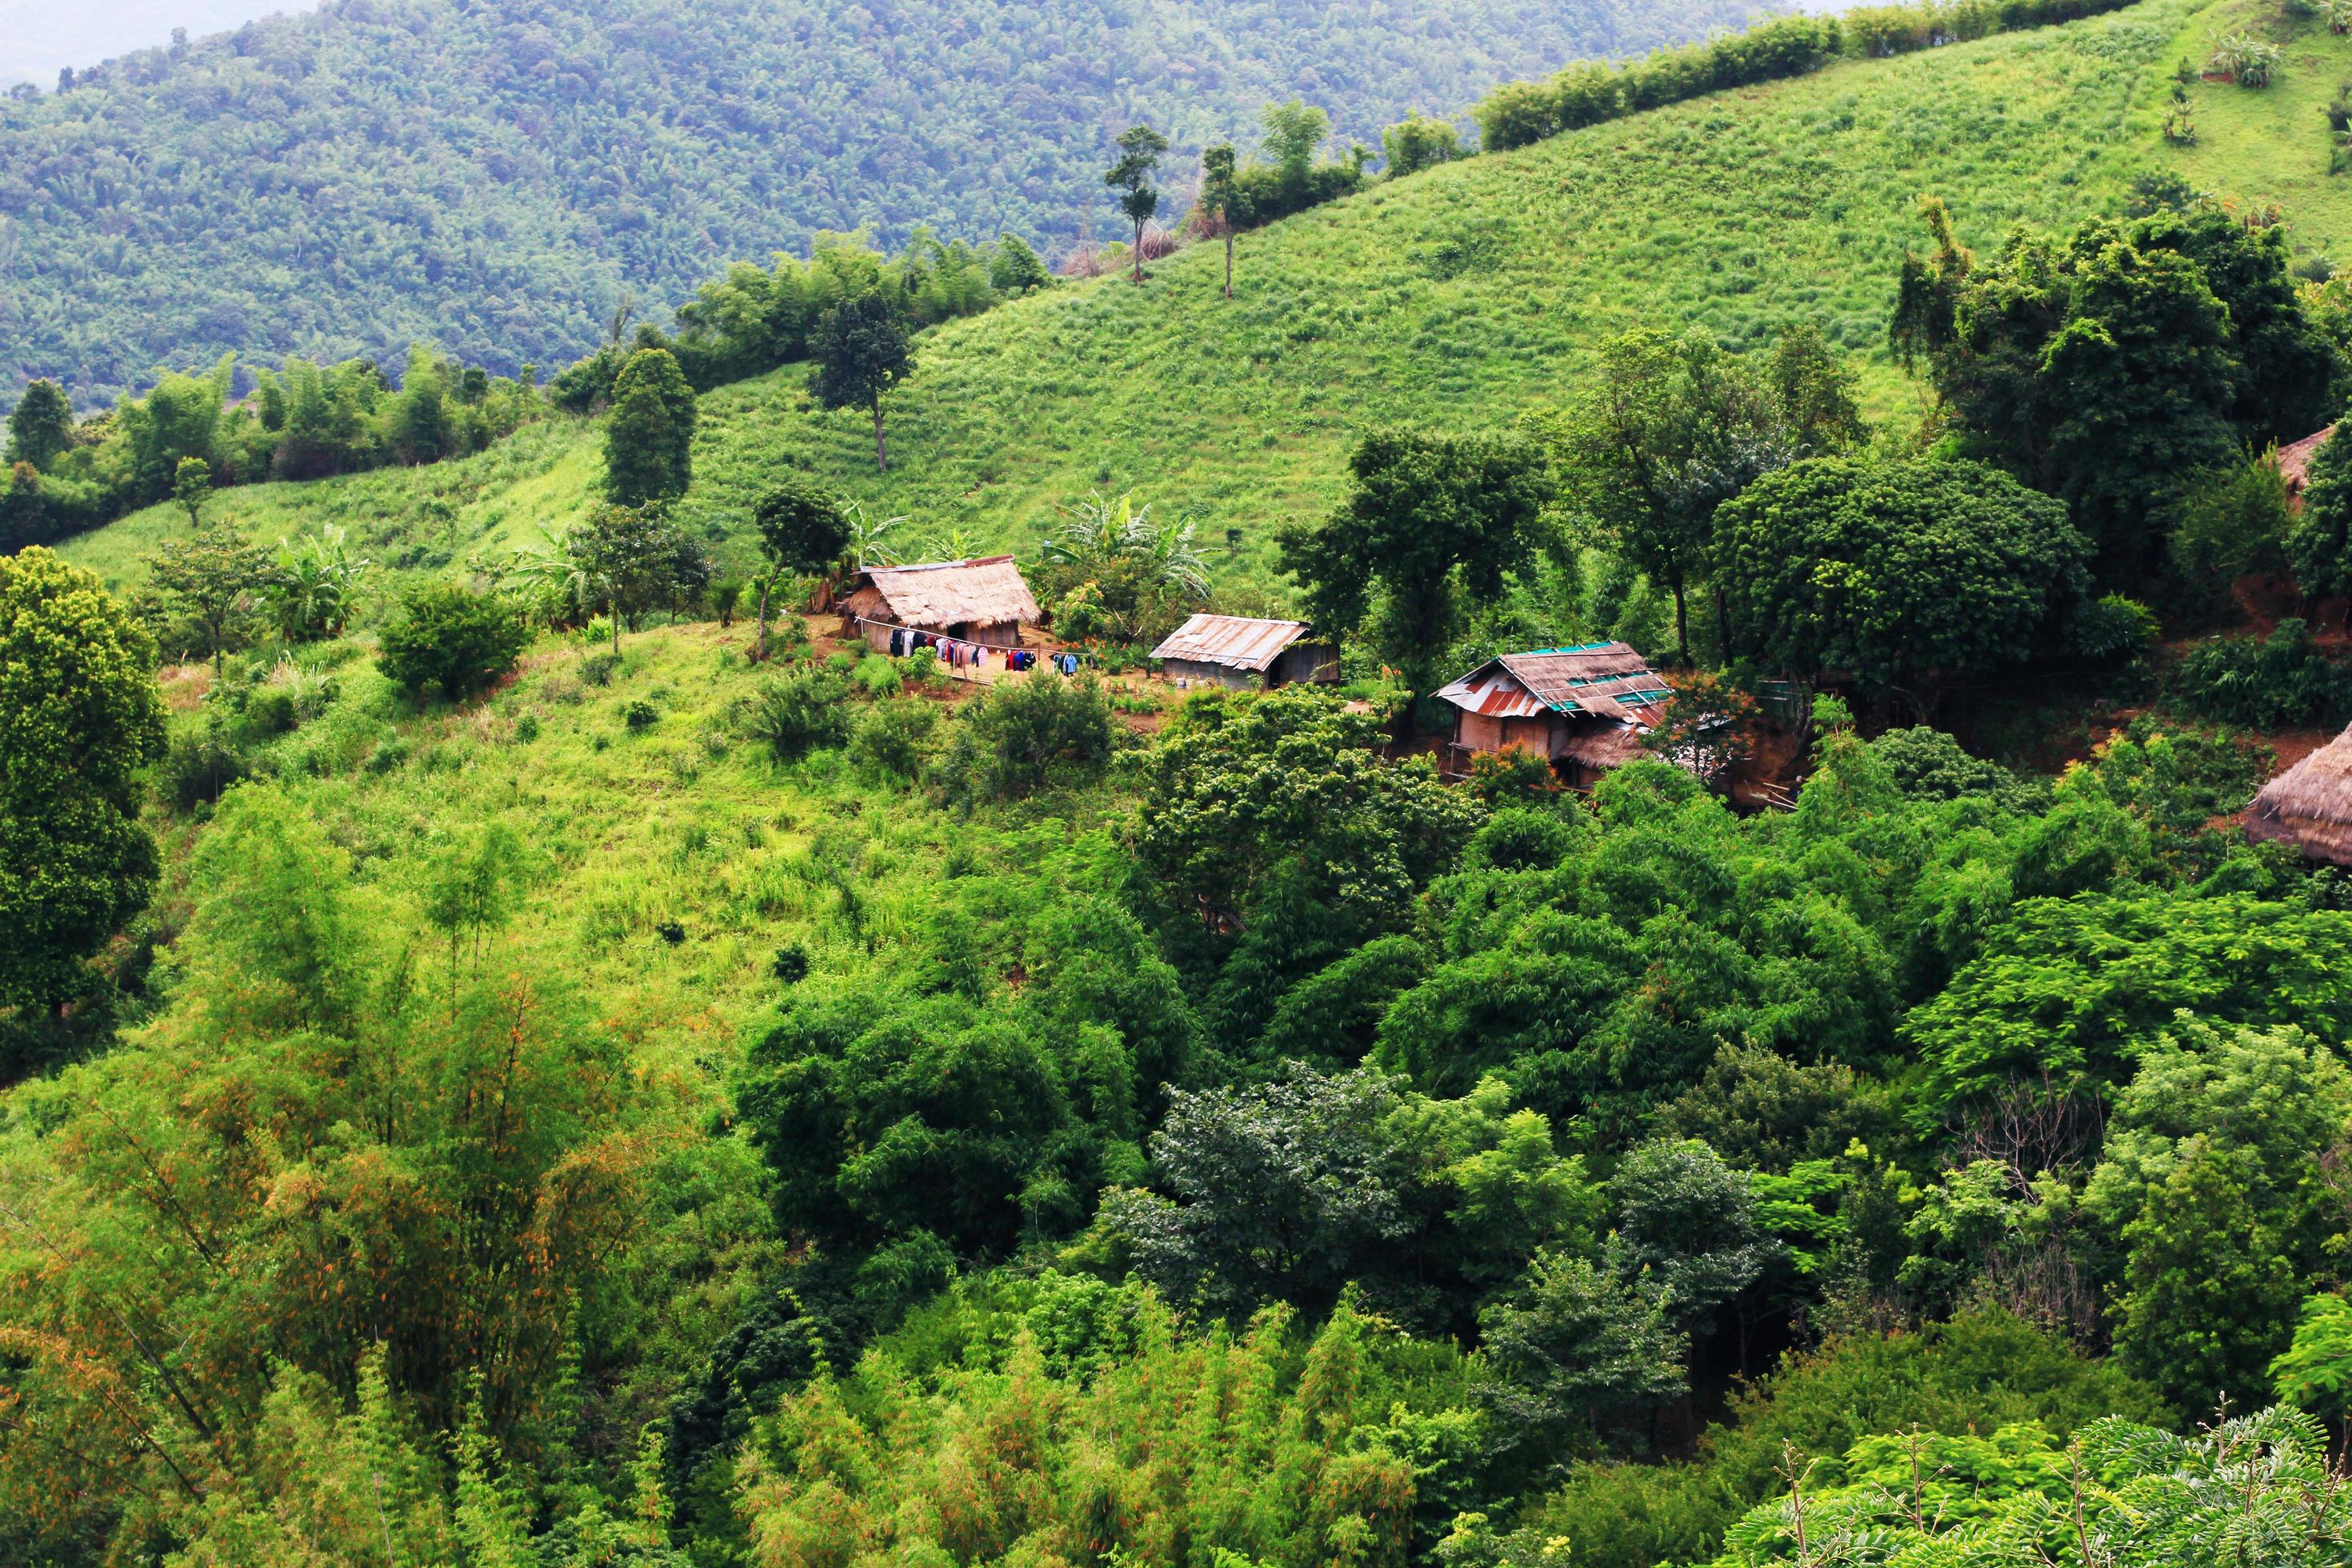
<point x="496" y="175"/>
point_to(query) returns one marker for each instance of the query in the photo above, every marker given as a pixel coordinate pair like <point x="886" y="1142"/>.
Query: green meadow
<point x="1456" y="298"/>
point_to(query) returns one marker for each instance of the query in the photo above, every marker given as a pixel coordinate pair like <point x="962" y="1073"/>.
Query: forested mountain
<point x="495" y="175"/>
<point x="39" y="41"/>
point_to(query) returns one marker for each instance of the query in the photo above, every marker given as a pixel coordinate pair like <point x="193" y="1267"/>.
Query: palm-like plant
<point x="868" y="547"/>
<point x="318" y="584"/>
<point x="1143" y="565"/>
<point x="554" y="566"/>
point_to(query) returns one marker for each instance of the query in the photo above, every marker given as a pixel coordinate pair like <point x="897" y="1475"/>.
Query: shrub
<point x="877" y="675"/>
<point x="598" y="668"/>
<point x="1015" y="738"/>
<point x="640" y="715"/>
<point x="451" y="638"/>
<point x="892" y="738"/>
<point x="799" y="713"/>
<point x="526" y="728"/>
<point x="1513" y="777"/>
<point x="2272" y="683"/>
<point x="200" y="768"/>
<point x="2114" y="628"/>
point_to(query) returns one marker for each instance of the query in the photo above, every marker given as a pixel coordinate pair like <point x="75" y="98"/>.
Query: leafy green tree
<point x="1687" y="1223"/>
<point x="1415" y="143"/>
<point x="451" y="638"/>
<point x="41" y="429"/>
<point x="192" y="482"/>
<point x="1295" y="133"/>
<point x="803" y="529"/>
<point x="2110" y="365"/>
<point x="1282" y="1192"/>
<point x="1676" y="426"/>
<point x="83" y="717"/>
<point x="641" y="560"/>
<point x="649" y="444"/>
<point x="1218" y="201"/>
<point x="1241" y="787"/>
<point x="1908" y="574"/>
<point x="1140" y="150"/>
<point x="1430" y="521"/>
<point x="2209" y="1294"/>
<point x="799" y="713"/>
<point x="861" y="351"/>
<point x="472" y="887"/>
<point x="2319" y="538"/>
<point x="212" y="579"/>
<point x="2315" y="1369"/>
<point x="180" y="418"/>
<point x="1582" y="1352"/>
<point x="1016" y="267"/>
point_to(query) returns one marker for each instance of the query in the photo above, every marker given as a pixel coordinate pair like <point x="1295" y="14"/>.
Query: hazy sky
<point x="37" y="37"/>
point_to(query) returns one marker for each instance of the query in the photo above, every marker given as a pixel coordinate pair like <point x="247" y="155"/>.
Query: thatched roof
<point x="1236" y="642"/>
<point x="1604" y="679"/>
<point x="2294" y="461"/>
<point x="2310" y="805"/>
<point x="988" y="591"/>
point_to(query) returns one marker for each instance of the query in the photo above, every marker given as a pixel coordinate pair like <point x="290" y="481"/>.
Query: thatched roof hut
<point x="2310" y="805"/>
<point x="985" y="600"/>
<point x="2294" y="463"/>
<point x="1242" y="652"/>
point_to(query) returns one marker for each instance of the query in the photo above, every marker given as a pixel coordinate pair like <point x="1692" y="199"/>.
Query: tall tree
<point x="861" y="351"/>
<point x="42" y="426"/>
<point x="649" y="447"/>
<point x="1140" y="148"/>
<point x="1217" y="199"/>
<point x="1428" y="520"/>
<point x="212" y="579"/>
<point x="640" y="557"/>
<point x="804" y="528"/>
<point x="2116" y="365"/>
<point x="192" y="482"/>
<point x="1675" y="427"/>
<point x="1906" y="574"/>
<point x="83" y="716"/>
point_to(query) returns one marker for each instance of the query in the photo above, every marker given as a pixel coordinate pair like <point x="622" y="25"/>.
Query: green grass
<point x="1455" y="299"/>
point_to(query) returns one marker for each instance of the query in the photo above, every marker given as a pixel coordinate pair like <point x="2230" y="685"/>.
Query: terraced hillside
<point x="1458" y="299"/>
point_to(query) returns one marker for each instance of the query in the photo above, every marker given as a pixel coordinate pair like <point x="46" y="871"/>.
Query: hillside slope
<point x="1456" y="298"/>
<point x="492" y="177"/>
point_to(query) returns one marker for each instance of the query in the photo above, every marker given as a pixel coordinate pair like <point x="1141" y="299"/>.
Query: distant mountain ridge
<point x="494" y="175"/>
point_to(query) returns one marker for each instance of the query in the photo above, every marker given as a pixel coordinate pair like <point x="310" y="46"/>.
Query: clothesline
<point x="964" y="659"/>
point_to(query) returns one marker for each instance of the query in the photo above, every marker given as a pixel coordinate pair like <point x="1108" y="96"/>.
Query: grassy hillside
<point x="1456" y="298"/>
<point x="493" y="178"/>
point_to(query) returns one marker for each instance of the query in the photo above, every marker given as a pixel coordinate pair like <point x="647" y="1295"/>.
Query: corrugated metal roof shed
<point x="1607" y="680"/>
<point x="1234" y="641"/>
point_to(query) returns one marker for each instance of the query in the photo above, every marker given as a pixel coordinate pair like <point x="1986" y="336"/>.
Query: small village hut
<point x="984" y="601"/>
<point x="2294" y="464"/>
<point x="2310" y="805"/>
<point x="1585" y="709"/>
<point x="1246" y="654"/>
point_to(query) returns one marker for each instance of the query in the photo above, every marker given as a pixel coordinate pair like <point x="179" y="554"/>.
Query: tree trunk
<point x="881" y="453"/>
<point x="1723" y="625"/>
<point x="1229" y="260"/>
<point x="1138" y="253"/>
<point x="762" y="646"/>
<point x="613" y="604"/>
<point x="1682" y="621"/>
